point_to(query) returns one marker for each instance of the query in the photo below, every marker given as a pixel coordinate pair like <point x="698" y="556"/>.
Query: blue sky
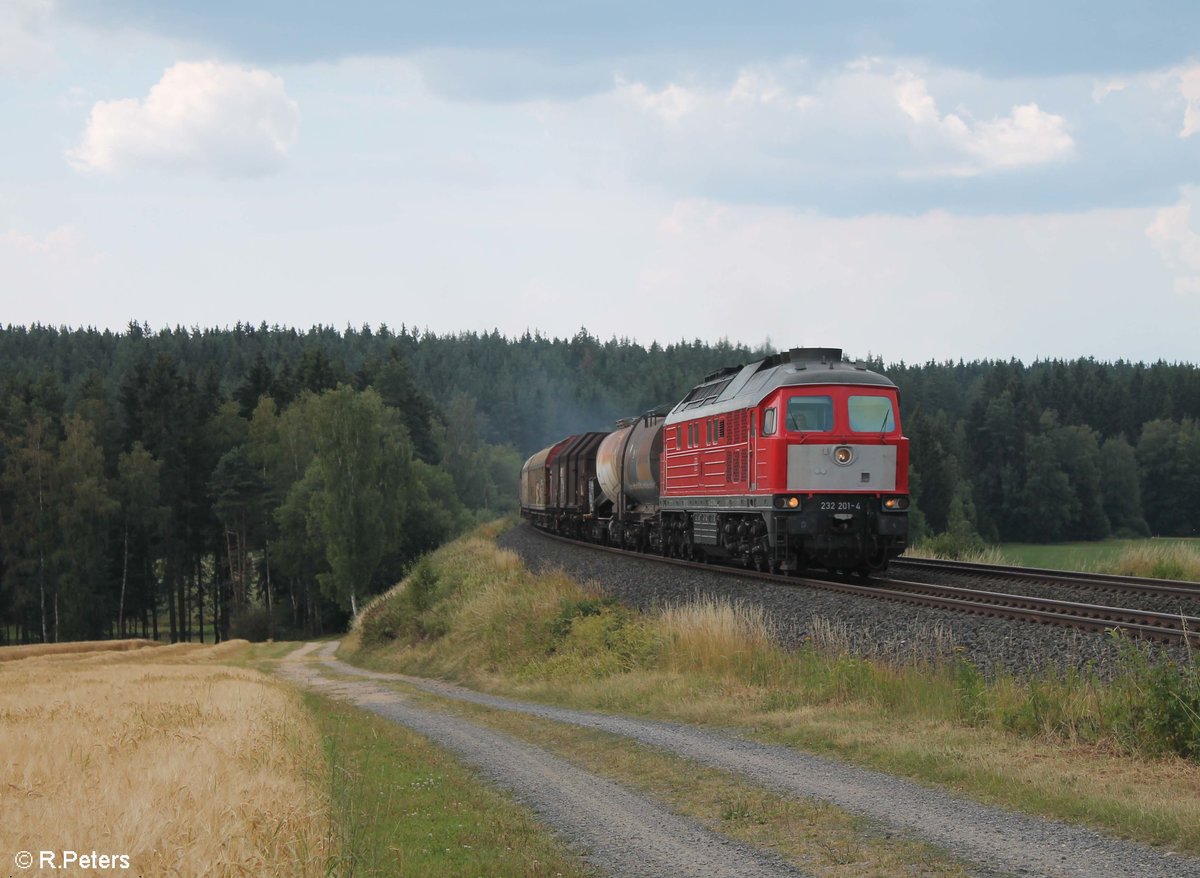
<point x="917" y="181"/>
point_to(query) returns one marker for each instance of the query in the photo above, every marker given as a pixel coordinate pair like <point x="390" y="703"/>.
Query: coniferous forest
<point x="265" y="481"/>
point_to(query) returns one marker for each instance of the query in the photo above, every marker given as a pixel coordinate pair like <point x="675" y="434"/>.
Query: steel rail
<point x="1068" y="578"/>
<point x="1161" y="627"/>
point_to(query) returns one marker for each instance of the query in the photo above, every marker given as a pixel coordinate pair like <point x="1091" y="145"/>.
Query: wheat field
<point x="188" y="768"/>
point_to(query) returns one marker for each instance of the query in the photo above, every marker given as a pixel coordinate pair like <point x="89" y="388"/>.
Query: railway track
<point x="1145" y="624"/>
<point x="1169" y="588"/>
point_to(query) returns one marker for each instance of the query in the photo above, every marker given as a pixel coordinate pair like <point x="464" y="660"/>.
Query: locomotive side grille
<point x="729" y="467"/>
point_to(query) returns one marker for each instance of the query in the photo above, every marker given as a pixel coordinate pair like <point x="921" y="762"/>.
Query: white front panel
<point x="812" y="468"/>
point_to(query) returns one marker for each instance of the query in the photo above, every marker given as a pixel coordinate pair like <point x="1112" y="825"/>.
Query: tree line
<point x="265" y="477"/>
<point x="1054" y="450"/>
<point x="167" y="501"/>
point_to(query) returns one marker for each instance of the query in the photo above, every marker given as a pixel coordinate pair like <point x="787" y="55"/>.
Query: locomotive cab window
<point x="810" y="414"/>
<point x="871" y="414"/>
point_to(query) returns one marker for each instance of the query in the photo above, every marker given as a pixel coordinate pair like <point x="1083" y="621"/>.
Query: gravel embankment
<point x="871" y="628"/>
<point x="1000" y="842"/>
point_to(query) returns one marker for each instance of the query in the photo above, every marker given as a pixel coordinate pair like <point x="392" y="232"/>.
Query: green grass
<point x="1093" y="556"/>
<point x="402" y="807"/>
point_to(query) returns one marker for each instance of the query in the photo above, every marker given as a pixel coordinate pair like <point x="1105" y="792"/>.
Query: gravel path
<point x="624" y="833"/>
<point x="871" y="628"/>
<point x="1002" y="842"/>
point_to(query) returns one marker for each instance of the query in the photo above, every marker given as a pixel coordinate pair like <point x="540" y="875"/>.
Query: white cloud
<point x="200" y="117"/>
<point x="22" y="48"/>
<point x="1189" y="87"/>
<point x="1177" y="243"/>
<point x="791" y="124"/>
<point x="753" y="88"/>
<point x="1026" y="136"/>
<point x="61" y="239"/>
<point x="51" y="277"/>
<point x="1103" y="90"/>
<point x="670" y="103"/>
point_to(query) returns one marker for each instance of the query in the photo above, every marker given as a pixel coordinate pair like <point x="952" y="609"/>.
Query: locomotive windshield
<point x="810" y="414"/>
<point x="871" y="414"/>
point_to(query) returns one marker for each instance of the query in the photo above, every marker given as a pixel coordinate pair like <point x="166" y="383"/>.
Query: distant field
<point x="1083" y="556"/>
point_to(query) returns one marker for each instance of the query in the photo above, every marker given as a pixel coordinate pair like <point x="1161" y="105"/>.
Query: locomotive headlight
<point x="895" y="504"/>
<point x="793" y="502"/>
<point x="843" y="455"/>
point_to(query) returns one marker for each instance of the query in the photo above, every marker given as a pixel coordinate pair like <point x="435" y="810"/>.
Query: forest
<point x="265" y="481"/>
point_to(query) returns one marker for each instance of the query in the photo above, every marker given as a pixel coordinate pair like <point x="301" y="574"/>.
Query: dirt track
<point x="598" y="813"/>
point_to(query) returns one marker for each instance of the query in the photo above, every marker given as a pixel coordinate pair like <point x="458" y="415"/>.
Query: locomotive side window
<point x="769" y="422"/>
<point x="810" y="414"/>
<point x="871" y="414"/>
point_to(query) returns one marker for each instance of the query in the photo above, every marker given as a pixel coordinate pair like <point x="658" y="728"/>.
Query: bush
<point x="1156" y="704"/>
<point x="411" y="611"/>
<point x="595" y="637"/>
<point x="953" y="545"/>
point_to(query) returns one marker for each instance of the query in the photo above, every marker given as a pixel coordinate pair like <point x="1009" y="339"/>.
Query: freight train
<point x="791" y="462"/>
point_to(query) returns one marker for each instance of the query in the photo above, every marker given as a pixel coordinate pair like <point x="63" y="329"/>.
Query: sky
<point x="913" y="181"/>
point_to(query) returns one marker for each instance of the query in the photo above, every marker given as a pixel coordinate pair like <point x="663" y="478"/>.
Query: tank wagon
<point x="791" y="462"/>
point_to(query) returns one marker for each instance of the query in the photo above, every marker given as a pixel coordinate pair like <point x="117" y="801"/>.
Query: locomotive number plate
<point x="841" y="506"/>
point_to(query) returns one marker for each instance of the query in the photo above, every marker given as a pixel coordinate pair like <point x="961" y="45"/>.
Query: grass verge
<point x="1069" y="747"/>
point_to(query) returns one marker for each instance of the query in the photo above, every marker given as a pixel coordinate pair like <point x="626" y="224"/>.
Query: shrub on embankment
<point x="475" y="613"/>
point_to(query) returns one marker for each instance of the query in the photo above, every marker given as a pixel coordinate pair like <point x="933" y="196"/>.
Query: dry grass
<point x="186" y="767"/>
<point x="986" y="555"/>
<point x="714" y="636"/>
<point x="1157" y="560"/>
<point x="13" y="653"/>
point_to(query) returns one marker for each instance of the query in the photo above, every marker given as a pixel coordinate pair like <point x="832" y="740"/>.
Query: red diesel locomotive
<point x="786" y="463"/>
